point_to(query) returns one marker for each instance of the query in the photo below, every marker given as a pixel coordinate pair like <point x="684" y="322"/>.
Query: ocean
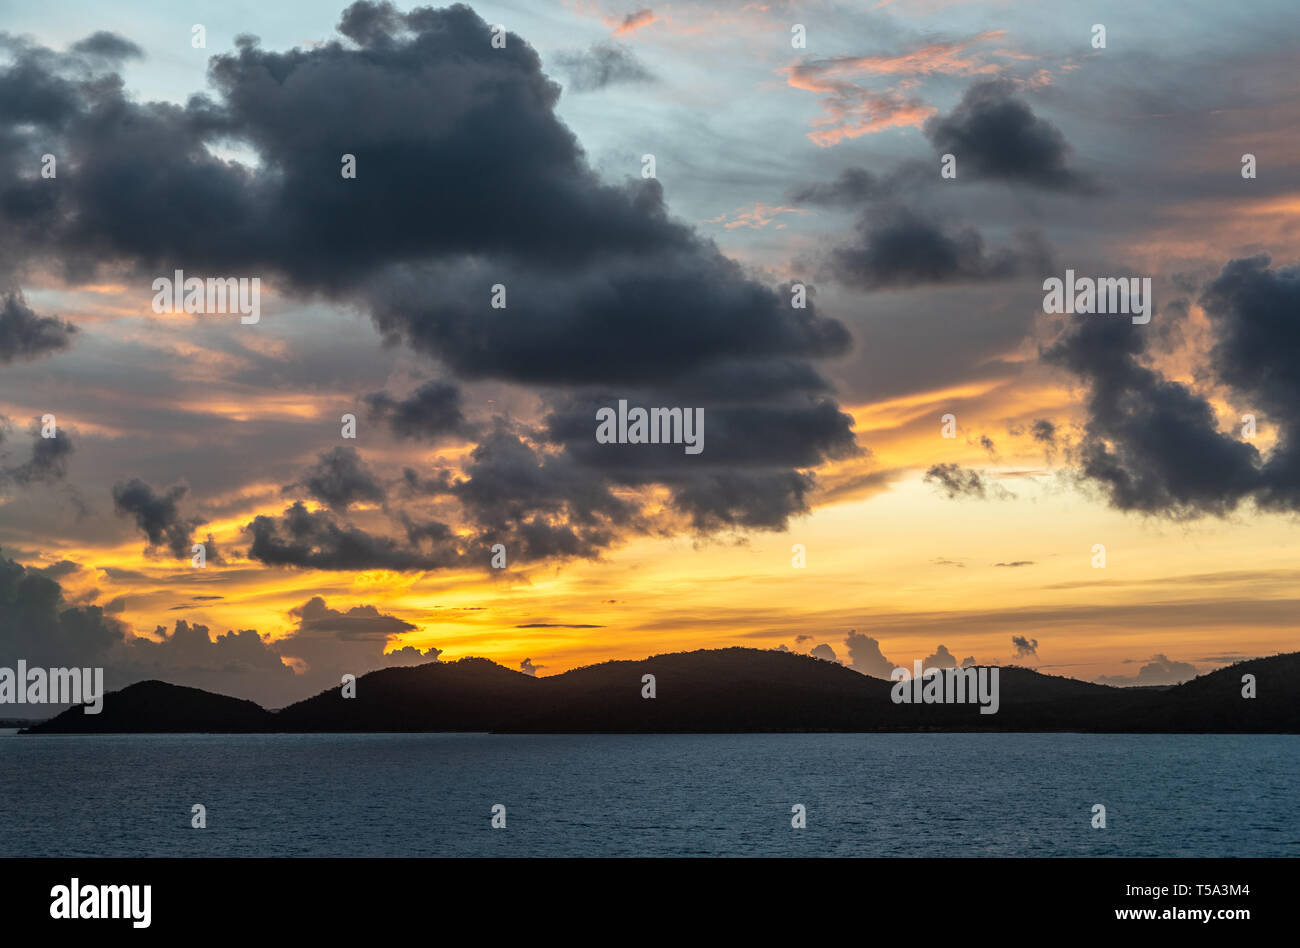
<point x="650" y="795"/>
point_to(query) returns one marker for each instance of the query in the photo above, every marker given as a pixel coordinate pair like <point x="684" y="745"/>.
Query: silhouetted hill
<point x="155" y="707"/>
<point x="472" y="694"/>
<point x="719" y="690"/>
<point x="1213" y="702"/>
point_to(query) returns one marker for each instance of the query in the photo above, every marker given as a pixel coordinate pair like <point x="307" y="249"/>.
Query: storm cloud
<point x="606" y="293"/>
<point x="25" y="335"/>
<point x="158" y="515"/>
<point x="993" y="134"/>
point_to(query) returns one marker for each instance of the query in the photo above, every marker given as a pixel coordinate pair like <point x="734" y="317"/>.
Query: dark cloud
<point x="901" y="246"/>
<point x="433" y="412"/>
<point x="682" y="308"/>
<point x="371" y="24"/>
<point x="1024" y="646"/>
<point x="340" y="479"/>
<point x="158" y="516"/>
<point x="539" y="503"/>
<point x="315" y="540"/>
<point x="956" y="481"/>
<point x="58" y="570"/>
<point x="1016" y="563"/>
<point x="38" y="625"/>
<point x="329" y="643"/>
<point x="1152" y="444"/>
<point x="315" y="618"/>
<point x="1253" y="310"/>
<point x="1044" y="431"/>
<point x="743" y="478"/>
<point x="49" y="459"/>
<point x="478" y="185"/>
<point x="853" y="186"/>
<point x="528" y="668"/>
<point x="741" y="499"/>
<point x="993" y="134"/>
<point x="866" y="657"/>
<point x="942" y="658"/>
<point x="25" y="335"/>
<point x="107" y="45"/>
<point x="1158" y="671"/>
<point x="414" y="483"/>
<point x="602" y="64"/>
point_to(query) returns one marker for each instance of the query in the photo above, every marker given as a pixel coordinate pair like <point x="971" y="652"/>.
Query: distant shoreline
<point x="712" y="691"/>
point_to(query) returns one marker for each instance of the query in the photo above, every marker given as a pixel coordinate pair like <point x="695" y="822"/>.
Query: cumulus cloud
<point x="993" y="134"/>
<point x="824" y="652"/>
<point x="1024" y="646"/>
<point x="432" y="413"/>
<point x="339" y="479"/>
<point x="317" y="540"/>
<point x="1152" y="444"/>
<point x="866" y="657"/>
<point x="901" y="246"/>
<point x="942" y="658"/>
<point x="38" y="625"/>
<point x="1160" y="670"/>
<point x="328" y="643"/>
<point x="609" y="296"/>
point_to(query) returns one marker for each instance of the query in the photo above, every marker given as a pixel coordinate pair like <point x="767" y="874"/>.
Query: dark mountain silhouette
<point x="155" y="707"/>
<point x="722" y="690"/>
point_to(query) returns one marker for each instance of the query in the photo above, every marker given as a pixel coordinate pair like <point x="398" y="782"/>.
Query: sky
<point x="797" y="144"/>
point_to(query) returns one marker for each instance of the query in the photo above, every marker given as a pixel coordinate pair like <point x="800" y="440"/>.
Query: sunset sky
<point x="523" y="166"/>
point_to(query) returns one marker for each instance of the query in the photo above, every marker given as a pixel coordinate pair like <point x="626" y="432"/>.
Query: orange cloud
<point x="851" y="110"/>
<point x="630" y="23"/>
<point x="936" y="58"/>
<point x="756" y="216"/>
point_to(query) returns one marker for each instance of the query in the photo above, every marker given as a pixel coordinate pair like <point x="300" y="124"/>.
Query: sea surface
<point x="650" y="795"/>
